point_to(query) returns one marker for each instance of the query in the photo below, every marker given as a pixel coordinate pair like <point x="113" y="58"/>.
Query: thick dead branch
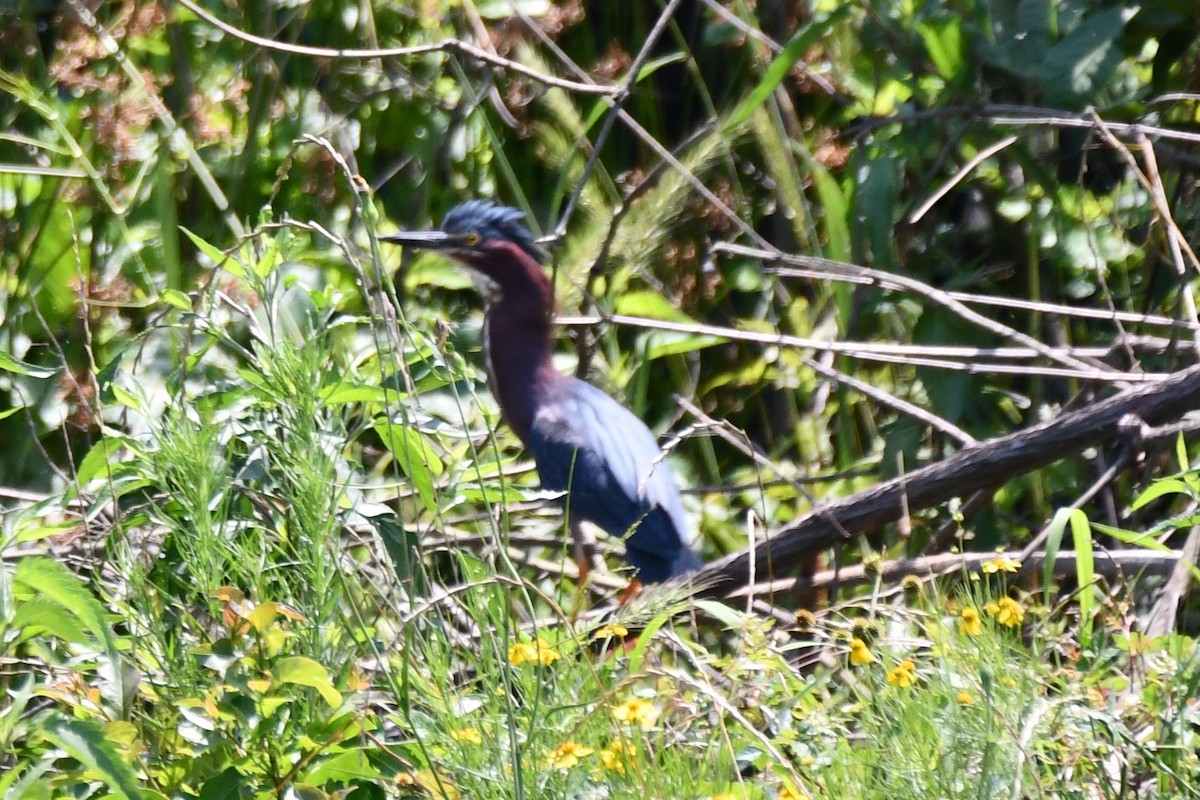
<point x="987" y="464"/>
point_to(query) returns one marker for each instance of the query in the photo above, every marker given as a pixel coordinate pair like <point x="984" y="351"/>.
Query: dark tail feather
<point x="686" y="562"/>
<point x="653" y="568"/>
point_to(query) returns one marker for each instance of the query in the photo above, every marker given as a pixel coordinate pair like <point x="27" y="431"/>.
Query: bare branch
<point x="987" y="464"/>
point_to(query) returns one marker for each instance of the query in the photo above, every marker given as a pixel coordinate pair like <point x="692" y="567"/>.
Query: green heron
<point x="584" y="442"/>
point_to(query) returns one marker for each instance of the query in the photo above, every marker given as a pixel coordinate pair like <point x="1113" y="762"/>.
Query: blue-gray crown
<point x="493" y="222"/>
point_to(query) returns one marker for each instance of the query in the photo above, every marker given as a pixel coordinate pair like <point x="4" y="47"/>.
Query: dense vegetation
<point x="264" y="535"/>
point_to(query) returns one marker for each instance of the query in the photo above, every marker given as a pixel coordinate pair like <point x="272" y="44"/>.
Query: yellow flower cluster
<point x="616" y="756"/>
<point x="859" y="652"/>
<point x="1009" y="612"/>
<point x="468" y="735"/>
<point x="1000" y="564"/>
<point x="538" y="652"/>
<point x="636" y="711"/>
<point x="970" y="623"/>
<point x="903" y="674"/>
<point x="567" y="755"/>
<point x="611" y="630"/>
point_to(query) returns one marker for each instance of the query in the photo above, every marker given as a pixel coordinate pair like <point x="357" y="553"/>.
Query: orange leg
<point x="583" y="546"/>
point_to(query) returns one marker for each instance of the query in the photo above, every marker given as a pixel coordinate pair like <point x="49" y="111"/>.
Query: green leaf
<point x="650" y="305"/>
<point x="86" y="743"/>
<point x="42" y="616"/>
<point x="10" y="363"/>
<point x="352" y="765"/>
<point x="342" y="392"/>
<point x="944" y="42"/>
<point x="414" y="454"/>
<point x="1085" y="570"/>
<point x="97" y="459"/>
<point x="833" y="207"/>
<point x="778" y="69"/>
<point x="1160" y="488"/>
<point x="174" y="297"/>
<point x="404" y="548"/>
<point x="304" y="671"/>
<point x="1054" y="534"/>
<point x="670" y="343"/>
<point x="655" y="64"/>
<point x="1079" y="66"/>
<point x="219" y="259"/>
<point x="8" y="412"/>
<point x="49" y="580"/>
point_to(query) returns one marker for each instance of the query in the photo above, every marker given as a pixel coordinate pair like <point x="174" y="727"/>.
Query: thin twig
<point x="445" y="46"/>
<point x="979" y="158"/>
<point x="1108" y="562"/>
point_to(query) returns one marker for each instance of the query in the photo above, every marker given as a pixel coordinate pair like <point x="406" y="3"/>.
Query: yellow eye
<point x="473" y="239"/>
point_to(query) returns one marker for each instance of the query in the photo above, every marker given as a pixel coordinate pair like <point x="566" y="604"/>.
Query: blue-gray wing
<point x="587" y="444"/>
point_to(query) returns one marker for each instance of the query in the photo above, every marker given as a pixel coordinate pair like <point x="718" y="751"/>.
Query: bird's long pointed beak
<point x="426" y="240"/>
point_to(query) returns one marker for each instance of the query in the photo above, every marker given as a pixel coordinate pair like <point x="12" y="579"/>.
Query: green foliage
<point x="262" y="534"/>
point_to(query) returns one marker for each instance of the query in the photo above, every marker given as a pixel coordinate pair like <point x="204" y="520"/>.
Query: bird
<point x="584" y="443"/>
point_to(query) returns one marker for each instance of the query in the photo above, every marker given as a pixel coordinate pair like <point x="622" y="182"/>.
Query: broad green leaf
<point x="8" y="412"/>
<point x="352" y="765"/>
<point x="304" y="671"/>
<point x="43" y="616"/>
<point x="50" y="580"/>
<point x="95" y="462"/>
<point x="86" y="743"/>
<point x="1081" y="64"/>
<point x="10" y="363"/>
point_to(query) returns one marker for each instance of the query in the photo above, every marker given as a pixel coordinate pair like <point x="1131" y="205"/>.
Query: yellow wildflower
<point x="788" y="793"/>
<point x="1008" y="611"/>
<point x="903" y="674"/>
<point x="1001" y="563"/>
<point x="614" y="757"/>
<point x="859" y="652"/>
<point x="965" y="698"/>
<point x="468" y="735"/>
<point x="611" y="630"/>
<point x="567" y="755"/>
<point x="636" y="711"/>
<point x="970" y="623"/>
<point x="537" y="652"/>
<point x="724" y="796"/>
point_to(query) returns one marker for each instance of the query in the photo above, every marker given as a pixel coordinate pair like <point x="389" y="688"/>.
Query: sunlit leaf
<point x="10" y="363"/>
<point x="304" y="671"/>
